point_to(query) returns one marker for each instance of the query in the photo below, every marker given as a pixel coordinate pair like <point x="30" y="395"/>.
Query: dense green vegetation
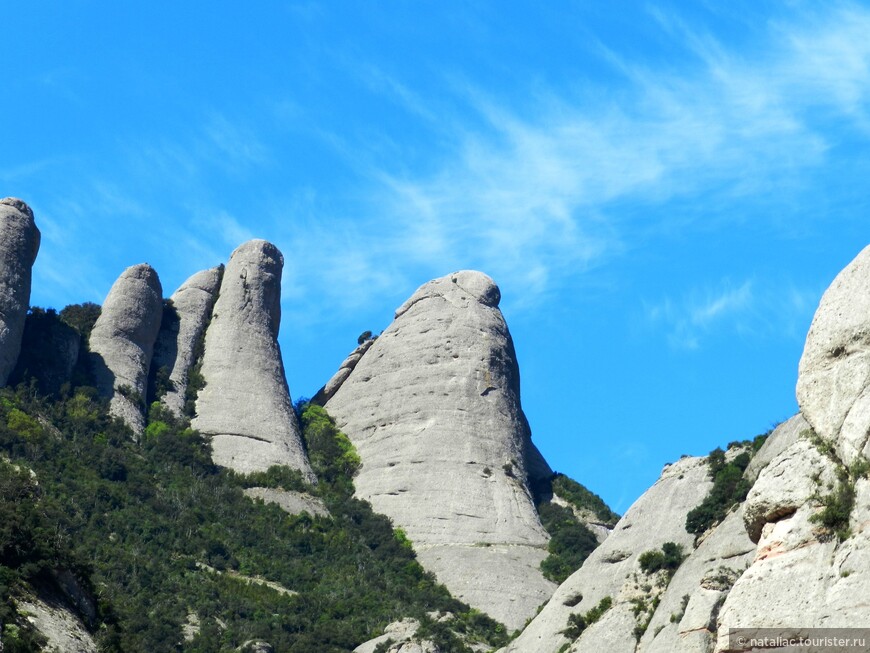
<point x="147" y="527"/>
<point x="729" y="487"/>
<point x="570" y="542"/>
<point x="580" y="497"/>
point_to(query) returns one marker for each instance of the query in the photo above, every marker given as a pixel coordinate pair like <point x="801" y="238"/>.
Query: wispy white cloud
<point x="689" y="318"/>
<point x="534" y="196"/>
<point x="753" y="309"/>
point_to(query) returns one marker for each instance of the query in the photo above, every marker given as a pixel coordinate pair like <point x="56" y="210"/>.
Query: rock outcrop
<point x="612" y="570"/>
<point x="808" y="510"/>
<point x="19" y="244"/>
<point x="183" y="326"/>
<point x="292" y="503"/>
<point x="122" y="342"/>
<point x="833" y="388"/>
<point x="433" y="409"/>
<point x="245" y="406"/>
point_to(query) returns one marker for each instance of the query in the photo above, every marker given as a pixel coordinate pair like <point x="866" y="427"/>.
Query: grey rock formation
<point x="326" y="392"/>
<point x="19" y="243"/>
<point x="245" y="406"/>
<point x="290" y="502"/>
<point x="658" y="516"/>
<point x="182" y="328"/>
<point x="782" y="437"/>
<point x="122" y="342"/>
<point x="688" y="625"/>
<point x="833" y="387"/>
<point x="433" y="409"/>
<point x="58" y="623"/>
<point x="791" y="480"/>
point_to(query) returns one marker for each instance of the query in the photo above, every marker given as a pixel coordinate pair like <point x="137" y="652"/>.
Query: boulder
<point x="433" y="409"/>
<point x="181" y="331"/>
<point x="245" y="406"/>
<point x="833" y="388"/>
<point x="19" y="243"/>
<point x="122" y="342"/>
<point x="612" y="570"/>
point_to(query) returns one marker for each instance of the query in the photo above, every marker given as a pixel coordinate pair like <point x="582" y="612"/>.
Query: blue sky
<point x="661" y="190"/>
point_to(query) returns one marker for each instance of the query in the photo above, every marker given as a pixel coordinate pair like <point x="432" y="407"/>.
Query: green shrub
<point x="577" y="622"/>
<point x="669" y="557"/>
<point x="570" y="542"/>
<point x="729" y="487"/>
<point x="580" y="497"/>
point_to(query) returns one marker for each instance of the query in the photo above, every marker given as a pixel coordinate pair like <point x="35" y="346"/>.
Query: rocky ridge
<point x="433" y="409"/>
<point x="122" y="342"/>
<point x="249" y="430"/>
<point x="181" y="330"/>
<point x="19" y="244"/>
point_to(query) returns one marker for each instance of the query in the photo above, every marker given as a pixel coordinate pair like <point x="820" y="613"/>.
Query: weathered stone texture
<point x="245" y="406"/>
<point x="122" y="342"/>
<point x="833" y="387"/>
<point x="433" y="408"/>
<point x="658" y="516"/>
<point x="183" y="325"/>
<point x="19" y="244"/>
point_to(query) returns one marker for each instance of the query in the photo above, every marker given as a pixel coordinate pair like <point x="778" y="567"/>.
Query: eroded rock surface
<point x="183" y="325"/>
<point x="290" y="502"/>
<point x="245" y="405"/>
<point x="122" y="342"/>
<point x="433" y="409"/>
<point x="612" y="570"/>
<point x="19" y="244"/>
<point x="833" y="388"/>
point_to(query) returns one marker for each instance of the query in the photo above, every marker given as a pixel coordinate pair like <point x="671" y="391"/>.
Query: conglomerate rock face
<point x="183" y="326"/>
<point x="809" y="510"/>
<point x="833" y="388"/>
<point x="19" y="244"/>
<point x="433" y="409"/>
<point x="612" y="570"/>
<point x="122" y="342"/>
<point x="245" y="405"/>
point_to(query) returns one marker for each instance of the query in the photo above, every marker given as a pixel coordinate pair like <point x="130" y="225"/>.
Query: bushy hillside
<point x="160" y="537"/>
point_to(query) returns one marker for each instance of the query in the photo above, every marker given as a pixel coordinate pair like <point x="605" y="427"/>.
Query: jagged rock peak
<point x="19" y="244"/>
<point x="433" y="408"/>
<point x="833" y="388"/>
<point x="122" y="342"/>
<point x="183" y="326"/>
<point x="245" y="405"/>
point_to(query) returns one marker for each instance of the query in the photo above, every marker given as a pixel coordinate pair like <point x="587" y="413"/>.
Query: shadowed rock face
<point x="19" y="243"/>
<point x="122" y="342"/>
<point x="182" y="327"/>
<point x="245" y="406"/>
<point x="433" y="408"/>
